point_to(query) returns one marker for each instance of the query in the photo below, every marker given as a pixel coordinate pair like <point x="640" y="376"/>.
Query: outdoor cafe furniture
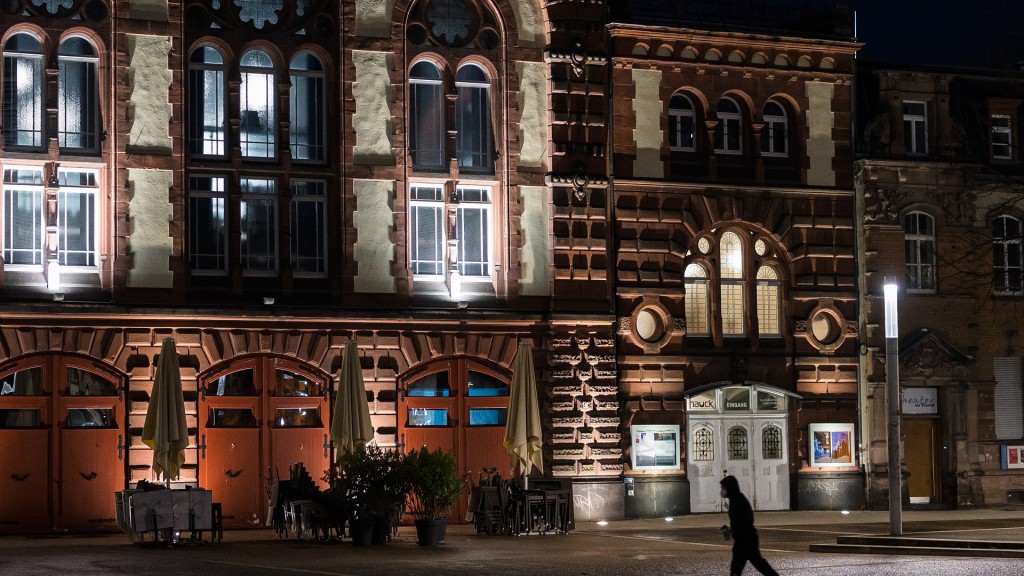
<point x="164" y="512"/>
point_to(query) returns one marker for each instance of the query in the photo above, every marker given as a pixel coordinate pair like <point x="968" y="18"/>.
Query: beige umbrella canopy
<point x="350" y="425"/>
<point x="165" y="430"/>
<point x="523" y="438"/>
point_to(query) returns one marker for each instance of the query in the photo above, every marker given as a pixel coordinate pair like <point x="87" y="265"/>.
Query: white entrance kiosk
<point x="740" y="430"/>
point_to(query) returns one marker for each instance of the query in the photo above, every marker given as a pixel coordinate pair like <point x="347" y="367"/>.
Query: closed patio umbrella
<point x="165" y="430"/>
<point x="523" y="438"/>
<point x="350" y="424"/>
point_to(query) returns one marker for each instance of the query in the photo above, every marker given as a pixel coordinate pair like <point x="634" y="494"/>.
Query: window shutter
<point x="1009" y="407"/>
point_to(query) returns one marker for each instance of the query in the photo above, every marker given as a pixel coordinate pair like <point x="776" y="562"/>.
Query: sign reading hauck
<point x="702" y="403"/>
<point x="920" y="401"/>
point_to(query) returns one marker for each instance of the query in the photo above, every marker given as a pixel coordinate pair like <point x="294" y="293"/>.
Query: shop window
<point x="287" y="383"/>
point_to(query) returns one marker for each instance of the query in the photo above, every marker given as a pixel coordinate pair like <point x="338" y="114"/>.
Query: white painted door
<point x="737" y="452"/>
<point x="704" y="465"/>
<point x="771" y="465"/>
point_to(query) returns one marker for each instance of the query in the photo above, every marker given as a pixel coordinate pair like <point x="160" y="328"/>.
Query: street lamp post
<point x="892" y="376"/>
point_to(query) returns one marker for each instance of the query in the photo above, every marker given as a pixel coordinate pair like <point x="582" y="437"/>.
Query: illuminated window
<point x="768" y="300"/>
<point x="206" y="86"/>
<point x="24" y="219"/>
<point x="22" y="92"/>
<point x="426" y="225"/>
<point x="77" y="231"/>
<point x="426" y="117"/>
<point x="731" y="268"/>
<point x="78" y="111"/>
<point x="1006" y="253"/>
<point x="306" y="101"/>
<point x="697" y="300"/>
<point x="682" y="124"/>
<point x="1002" y="137"/>
<point x="919" y="244"/>
<point x="775" y="134"/>
<point x="257" y="106"/>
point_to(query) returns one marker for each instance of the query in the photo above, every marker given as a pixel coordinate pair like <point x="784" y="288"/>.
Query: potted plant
<point x="377" y="482"/>
<point x="435" y="486"/>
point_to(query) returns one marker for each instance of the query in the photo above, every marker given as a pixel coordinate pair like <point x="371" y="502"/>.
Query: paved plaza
<point x="685" y="546"/>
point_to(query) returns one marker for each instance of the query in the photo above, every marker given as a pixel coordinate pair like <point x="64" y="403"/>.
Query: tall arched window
<point x="426" y="116"/>
<point x="78" y="116"/>
<point x="257" y="106"/>
<point x="775" y="134"/>
<point x="768" y="301"/>
<point x="206" y="85"/>
<point x="23" y="92"/>
<point x="695" y="282"/>
<point x="1007" y="259"/>
<point x="731" y="268"/>
<point x="306" y="98"/>
<point x="729" y="129"/>
<point x="919" y="243"/>
<point x="473" y="143"/>
<point x="682" y="124"/>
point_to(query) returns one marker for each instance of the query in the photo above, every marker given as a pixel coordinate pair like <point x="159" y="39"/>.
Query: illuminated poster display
<point x="655" y="447"/>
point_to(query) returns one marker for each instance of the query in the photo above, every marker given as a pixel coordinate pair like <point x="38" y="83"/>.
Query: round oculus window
<point x="649" y="325"/>
<point x="761" y="247"/>
<point x="704" y="245"/>
<point x="825" y="328"/>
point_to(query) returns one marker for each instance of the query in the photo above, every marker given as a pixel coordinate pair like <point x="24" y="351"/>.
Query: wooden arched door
<point x="257" y="417"/>
<point x="457" y="404"/>
<point x="62" y="442"/>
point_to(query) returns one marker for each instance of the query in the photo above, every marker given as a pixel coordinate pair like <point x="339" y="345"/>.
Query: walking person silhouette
<point x="746" y="546"/>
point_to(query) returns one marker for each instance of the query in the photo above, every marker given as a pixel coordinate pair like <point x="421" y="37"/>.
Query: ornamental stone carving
<point x="882" y="205"/>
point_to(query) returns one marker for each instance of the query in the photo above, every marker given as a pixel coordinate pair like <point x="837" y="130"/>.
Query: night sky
<point x="976" y="33"/>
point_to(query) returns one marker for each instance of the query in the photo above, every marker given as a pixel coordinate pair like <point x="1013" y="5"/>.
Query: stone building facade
<point x="436" y="180"/>
<point x="939" y="184"/>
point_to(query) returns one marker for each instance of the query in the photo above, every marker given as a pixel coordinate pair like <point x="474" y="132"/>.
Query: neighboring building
<point x="940" y="183"/>
<point x="664" y="213"/>
<point x="736" y="284"/>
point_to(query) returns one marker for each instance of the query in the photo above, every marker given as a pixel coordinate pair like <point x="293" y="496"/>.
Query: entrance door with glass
<point x="67" y="484"/>
<point x="459" y="405"/>
<point x="739" y="431"/>
<point x="257" y="418"/>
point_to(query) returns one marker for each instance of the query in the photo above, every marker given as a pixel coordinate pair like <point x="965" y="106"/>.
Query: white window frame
<point x="911" y="121"/>
<point x="90" y="94"/>
<point x="1007" y="267"/>
<point x="270" y="96"/>
<point x="677" y="118"/>
<point x="39" y="226"/>
<point x="438" y="204"/>
<point x="1002" y="137"/>
<point x="727" y="123"/>
<point x="92" y="236"/>
<point x="415" y="114"/>
<point x="697" y="298"/>
<point x="775" y="123"/>
<point x="318" y="78"/>
<point x="215" y="147"/>
<point x="481" y="91"/>
<point x="484" y="206"/>
<point x="914" y="240"/>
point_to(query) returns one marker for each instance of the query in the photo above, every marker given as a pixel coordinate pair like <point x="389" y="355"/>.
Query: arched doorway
<point x="743" y="431"/>
<point x="62" y="444"/>
<point x="457" y="404"/>
<point x="257" y="417"/>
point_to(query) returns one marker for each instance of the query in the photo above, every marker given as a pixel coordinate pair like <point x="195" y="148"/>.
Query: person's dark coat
<point x="741" y="515"/>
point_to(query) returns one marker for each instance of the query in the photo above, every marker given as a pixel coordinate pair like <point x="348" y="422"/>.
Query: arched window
<point x="703" y="448"/>
<point x="426" y="116"/>
<point x="768" y="301"/>
<point x="1006" y="254"/>
<point x="729" y="129"/>
<point x="731" y="268"/>
<point x="306" y="98"/>
<point x="206" y="86"/>
<point x="23" y="92"/>
<point x="257" y="105"/>
<point x="78" y="116"/>
<point x="919" y="243"/>
<point x="771" y="442"/>
<point x="473" y="142"/>
<point x="695" y="282"/>
<point x="736" y="439"/>
<point x="775" y="134"/>
<point x="682" y="124"/>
